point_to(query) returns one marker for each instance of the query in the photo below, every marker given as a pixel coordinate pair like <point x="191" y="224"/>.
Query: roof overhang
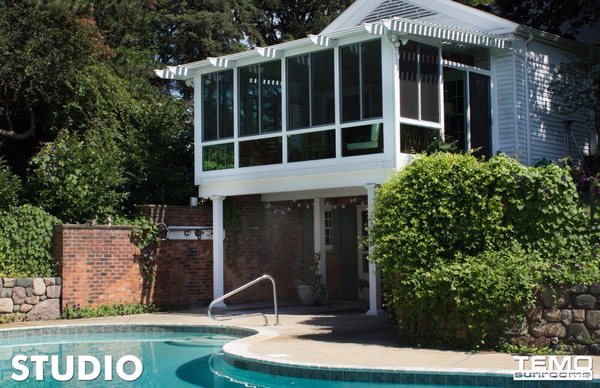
<point x="400" y="28"/>
<point x="397" y="28"/>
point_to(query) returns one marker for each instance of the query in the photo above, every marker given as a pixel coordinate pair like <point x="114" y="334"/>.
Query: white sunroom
<point x="335" y="114"/>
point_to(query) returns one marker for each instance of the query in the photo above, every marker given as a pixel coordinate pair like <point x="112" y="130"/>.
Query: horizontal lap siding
<point x="506" y="107"/>
<point x="548" y="137"/>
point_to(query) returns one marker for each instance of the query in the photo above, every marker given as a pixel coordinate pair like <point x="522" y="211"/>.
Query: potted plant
<point x="311" y="289"/>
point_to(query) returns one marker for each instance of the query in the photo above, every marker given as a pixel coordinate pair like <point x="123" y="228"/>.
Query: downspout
<point x="527" y="125"/>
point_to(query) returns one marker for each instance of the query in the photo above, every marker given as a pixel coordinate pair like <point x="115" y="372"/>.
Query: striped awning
<point x="403" y="26"/>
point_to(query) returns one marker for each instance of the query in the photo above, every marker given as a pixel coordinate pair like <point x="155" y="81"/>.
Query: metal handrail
<point x="242" y="288"/>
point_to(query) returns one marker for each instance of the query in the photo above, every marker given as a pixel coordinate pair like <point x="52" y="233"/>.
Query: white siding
<point x="506" y="106"/>
<point x="520" y="109"/>
<point x="548" y="137"/>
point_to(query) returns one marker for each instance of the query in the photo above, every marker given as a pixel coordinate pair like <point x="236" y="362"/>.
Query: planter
<point x="305" y="295"/>
<point x="363" y="293"/>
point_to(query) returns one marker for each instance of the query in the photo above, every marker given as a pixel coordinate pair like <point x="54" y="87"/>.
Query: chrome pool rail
<point x="242" y="288"/>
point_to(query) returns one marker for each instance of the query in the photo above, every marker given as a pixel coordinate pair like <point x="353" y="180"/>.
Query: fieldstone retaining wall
<point x="563" y="315"/>
<point x="38" y="298"/>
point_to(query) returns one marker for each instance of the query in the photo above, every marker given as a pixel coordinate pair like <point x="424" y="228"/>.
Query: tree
<point x="80" y="177"/>
<point x="282" y="20"/>
<point x="10" y="186"/>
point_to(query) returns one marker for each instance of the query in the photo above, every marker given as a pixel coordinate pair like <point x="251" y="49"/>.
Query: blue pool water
<point x="188" y="357"/>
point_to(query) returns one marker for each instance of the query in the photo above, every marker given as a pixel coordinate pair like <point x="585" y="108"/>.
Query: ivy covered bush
<point x="10" y="186"/>
<point x="463" y="244"/>
<point x="26" y="242"/>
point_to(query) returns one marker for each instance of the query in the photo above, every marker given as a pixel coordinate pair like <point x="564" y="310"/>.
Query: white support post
<point x="374" y="274"/>
<point x="218" y="250"/>
<point x="319" y="235"/>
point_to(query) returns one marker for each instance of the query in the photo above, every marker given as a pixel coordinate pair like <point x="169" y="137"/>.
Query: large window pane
<point x="350" y="73"/>
<point x="298" y="92"/>
<point x="217" y="157"/>
<point x="371" y="77"/>
<point x="210" y="95"/>
<point x="322" y="94"/>
<point x="409" y="98"/>
<point x="479" y="95"/>
<point x="467" y="55"/>
<point x="414" y="139"/>
<point x="260" y="152"/>
<point x="226" y="104"/>
<point x="270" y="95"/>
<point x="430" y="83"/>
<point x="362" y="140"/>
<point x="311" y="146"/>
<point x="455" y="107"/>
<point x="249" y="100"/>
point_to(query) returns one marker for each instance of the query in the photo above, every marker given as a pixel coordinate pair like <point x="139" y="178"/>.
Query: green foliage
<point x="107" y="310"/>
<point x="14" y="317"/>
<point x="80" y="177"/>
<point x="10" y="186"/>
<point x="463" y="243"/>
<point x="311" y="277"/>
<point x="26" y="242"/>
<point x="145" y="236"/>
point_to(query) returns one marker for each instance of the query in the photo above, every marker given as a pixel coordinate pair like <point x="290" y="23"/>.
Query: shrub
<point x="107" y="310"/>
<point x="26" y="242"/>
<point x="463" y="244"/>
<point x="10" y="186"/>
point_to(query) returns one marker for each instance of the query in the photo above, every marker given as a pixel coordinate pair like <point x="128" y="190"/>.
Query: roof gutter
<point x="527" y="99"/>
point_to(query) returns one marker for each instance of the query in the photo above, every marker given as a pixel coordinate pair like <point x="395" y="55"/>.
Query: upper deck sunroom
<point x="350" y="105"/>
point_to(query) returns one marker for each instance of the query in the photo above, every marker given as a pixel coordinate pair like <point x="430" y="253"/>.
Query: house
<point x="317" y="123"/>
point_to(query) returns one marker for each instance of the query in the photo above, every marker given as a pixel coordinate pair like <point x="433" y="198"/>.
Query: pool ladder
<point x="242" y="288"/>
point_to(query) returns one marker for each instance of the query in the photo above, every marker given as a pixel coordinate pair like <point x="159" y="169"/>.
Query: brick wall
<point x="97" y="264"/>
<point x="269" y="242"/>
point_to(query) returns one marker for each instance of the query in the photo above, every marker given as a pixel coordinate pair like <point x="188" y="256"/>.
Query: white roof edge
<point x="550" y="38"/>
<point x="438" y="6"/>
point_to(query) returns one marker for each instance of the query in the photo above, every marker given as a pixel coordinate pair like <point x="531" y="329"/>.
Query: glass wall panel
<point x="350" y="82"/>
<point x="217" y="105"/>
<point x="362" y="140"/>
<point x="270" y="95"/>
<point x="414" y="139"/>
<point x="225" y="104"/>
<point x="311" y="146"/>
<point x="249" y="100"/>
<point x="210" y="115"/>
<point x="217" y="157"/>
<point x="371" y="79"/>
<point x="429" y="62"/>
<point x="455" y="107"/>
<point x="298" y="69"/>
<point x="322" y="88"/>
<point x="467" y="55"/>
<point x="409" y="98"/>
<point x="260" y="152"/>
<point x="479" y="94"/>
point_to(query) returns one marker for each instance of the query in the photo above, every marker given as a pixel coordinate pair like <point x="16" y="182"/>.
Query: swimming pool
<point x="188" y="356"/>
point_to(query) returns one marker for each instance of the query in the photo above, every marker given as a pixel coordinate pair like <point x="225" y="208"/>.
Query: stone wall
<point x="37" y="298"/>
<point x="563" y="315"/>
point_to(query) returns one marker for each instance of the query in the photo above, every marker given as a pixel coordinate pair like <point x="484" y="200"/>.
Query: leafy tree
<point x="80" y="177"/>
<point x="282" y="20"/>
<point x="10" y="186"/>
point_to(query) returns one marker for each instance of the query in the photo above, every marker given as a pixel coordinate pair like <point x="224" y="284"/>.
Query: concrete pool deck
<point x="333" y="340"/>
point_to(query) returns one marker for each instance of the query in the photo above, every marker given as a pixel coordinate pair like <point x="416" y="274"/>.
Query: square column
<point x="218" y="249"/>
<point x="374" y="273"/>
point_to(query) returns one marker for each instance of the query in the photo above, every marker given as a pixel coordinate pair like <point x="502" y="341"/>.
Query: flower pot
<point x="305" y="295"/>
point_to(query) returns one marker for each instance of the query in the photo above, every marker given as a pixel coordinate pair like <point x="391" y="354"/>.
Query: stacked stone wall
<point x="34" y="298"/>
<point x="563" y="316"/>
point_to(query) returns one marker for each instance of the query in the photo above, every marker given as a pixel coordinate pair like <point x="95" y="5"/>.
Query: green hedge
<point x="26" y="242"/>
<point x="463" y="244"/>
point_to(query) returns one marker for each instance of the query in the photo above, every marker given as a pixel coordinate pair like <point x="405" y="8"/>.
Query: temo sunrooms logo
<point x="88" y="368"/>
<point x="553" y="368"/>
